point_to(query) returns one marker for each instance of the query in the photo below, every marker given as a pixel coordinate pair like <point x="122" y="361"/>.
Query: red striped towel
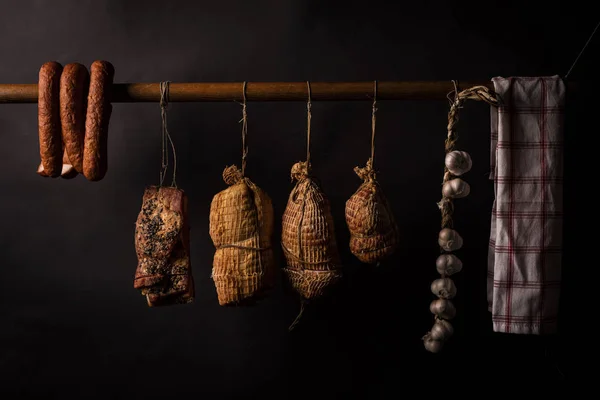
<point x="524" y="259"/>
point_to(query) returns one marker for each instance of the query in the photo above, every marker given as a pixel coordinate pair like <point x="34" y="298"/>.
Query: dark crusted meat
<point x="163" y="273"/>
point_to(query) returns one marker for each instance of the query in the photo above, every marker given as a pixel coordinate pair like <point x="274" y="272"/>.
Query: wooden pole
<point x="260" y="91"/>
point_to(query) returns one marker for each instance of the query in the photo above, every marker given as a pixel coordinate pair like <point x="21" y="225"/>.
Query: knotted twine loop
<point x="166" y="137"/>
<point x="367" y="173"/>
<point x="299" y="171"/>
<point x="244" y="122"/>
<point x="479" y="93"/>
<point x="232" y="175"/>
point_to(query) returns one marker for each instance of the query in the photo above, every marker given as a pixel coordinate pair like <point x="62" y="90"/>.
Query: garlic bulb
<point x="443" y="308"/>
<point x="458" y="162"/>
<point x="449" y="239"/>
<point x="441" y="330"/>
<point x="456" y="188"/>
<point x="431" y="345"/>
<point x="444" y="288"/>
<point x="448" y="264"/>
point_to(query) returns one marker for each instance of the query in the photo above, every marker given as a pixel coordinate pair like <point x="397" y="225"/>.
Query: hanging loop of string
<point x="164" y="155"/>
<point x="582" y="50"/>
<point x="373" y="120"/>
<point x="244" y="122"/>
<point x="166" y="137"/>
<point x="308" y="118"/>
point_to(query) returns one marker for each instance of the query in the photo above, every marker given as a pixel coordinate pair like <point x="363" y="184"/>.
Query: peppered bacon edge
<point x="163" y="273"/>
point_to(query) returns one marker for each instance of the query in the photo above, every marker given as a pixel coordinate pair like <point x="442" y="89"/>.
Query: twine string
<point x="244" y="122"/>
<point x="166" y="137"/>
<point x="582" y="50"/>
<point x="298" y="317"/>
<point x="373" y="120"/>
<point x="308" y="118"/>
<point x="300" y="260"/>
<point x="238" y="246"/>
<point x="164" y="155"/>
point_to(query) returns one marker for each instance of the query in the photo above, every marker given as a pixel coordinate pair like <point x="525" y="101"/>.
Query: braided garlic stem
<point x="456" y="163"/>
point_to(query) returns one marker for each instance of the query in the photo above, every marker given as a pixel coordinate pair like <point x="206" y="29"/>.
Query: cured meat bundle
<point x="99" y="110"/>
<point x="162" y="244"/>
<point x="373" y="230"/>
<point x="308" y="237"/>
<point x="241" y="228"/>
<point x="51" y="148"/>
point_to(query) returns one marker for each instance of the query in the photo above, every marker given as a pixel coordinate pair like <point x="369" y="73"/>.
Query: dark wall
<point x="71" y="324"/>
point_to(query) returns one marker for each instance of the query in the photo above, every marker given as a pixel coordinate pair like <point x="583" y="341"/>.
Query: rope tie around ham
<point x="232" y="175"/>
<point x="300" y="171"/>
<point x="367" y="173"/>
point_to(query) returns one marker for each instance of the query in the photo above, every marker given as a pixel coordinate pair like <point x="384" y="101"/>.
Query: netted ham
<point x="308" y="238"/>
<point x="241" y="228"/>
<point x="373" y="230"/>
<point x="162" y="244"/>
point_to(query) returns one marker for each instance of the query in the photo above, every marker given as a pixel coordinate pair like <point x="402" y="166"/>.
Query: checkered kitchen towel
<point x="524" y="261"/>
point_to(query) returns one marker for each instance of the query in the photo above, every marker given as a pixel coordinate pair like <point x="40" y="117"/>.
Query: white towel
<point x="524" y="263"/>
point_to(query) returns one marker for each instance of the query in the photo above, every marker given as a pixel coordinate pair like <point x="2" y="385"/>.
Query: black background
<point x="71" y="324"/>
